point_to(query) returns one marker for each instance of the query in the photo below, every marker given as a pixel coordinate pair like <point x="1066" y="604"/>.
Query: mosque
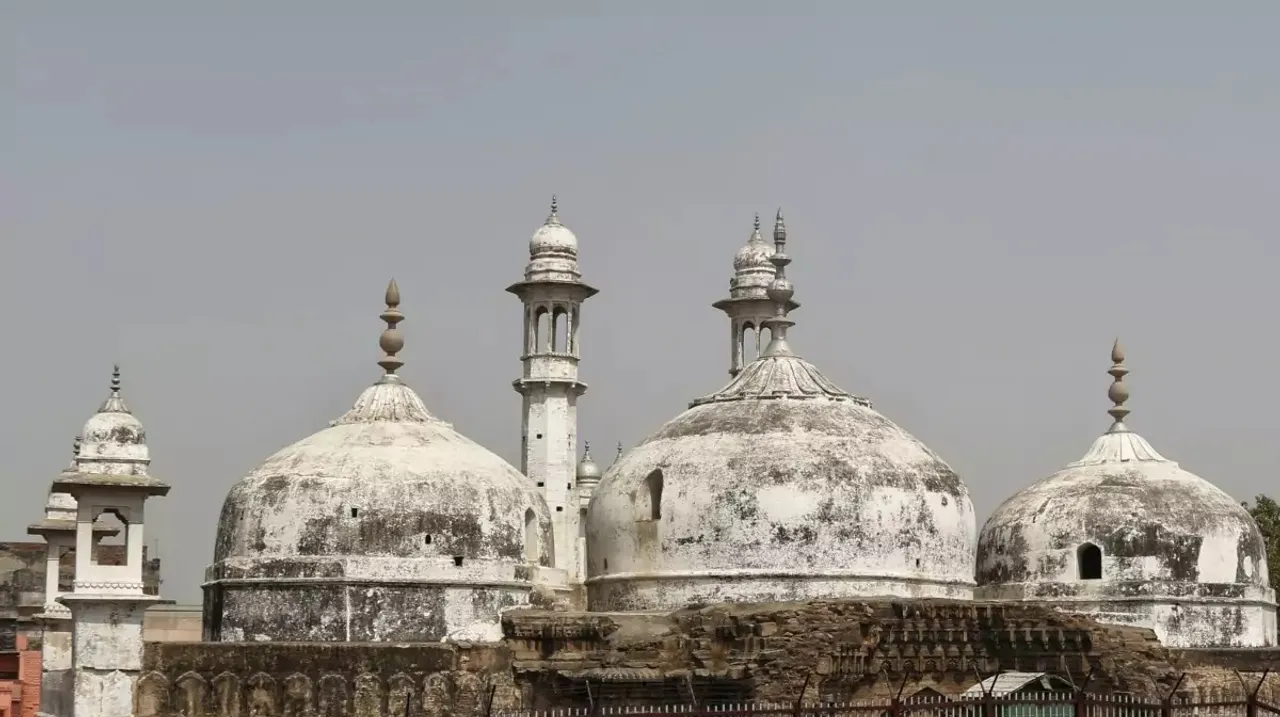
<point x="389" y="526"/>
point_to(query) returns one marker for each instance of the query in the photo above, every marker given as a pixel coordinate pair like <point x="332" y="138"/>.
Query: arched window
<point x="541" y="330"/>
<point x="1089" y="560"/>
<point x="750" y="344"/>
<point x="653" y="485"/>
<point x="560" y="330"/>
<point x="530" y="536"/>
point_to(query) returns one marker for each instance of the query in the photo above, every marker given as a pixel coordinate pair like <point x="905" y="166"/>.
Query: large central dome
<point x="387" y="525"/>
<point x="780" y="486"/>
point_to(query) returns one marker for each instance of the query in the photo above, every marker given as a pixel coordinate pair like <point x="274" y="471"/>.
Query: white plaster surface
<point x="106" y="653"/>
<point x="424" y="499"/>
<point x="779" y="487"/>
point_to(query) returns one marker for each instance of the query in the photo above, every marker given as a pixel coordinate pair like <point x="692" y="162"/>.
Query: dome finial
<point x="756" y="227"/>
<point x="554" y="216"/>
<point x="114" y="402"/>
<point x="780" y="292"/>
<point x="1118" y="392"/>
<point x="391" y="341"/>
<point x="615" y="458"/>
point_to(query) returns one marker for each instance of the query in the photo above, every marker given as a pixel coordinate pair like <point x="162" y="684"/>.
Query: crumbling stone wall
<point x="275" y="679"/>
<point x="845" y="649"/>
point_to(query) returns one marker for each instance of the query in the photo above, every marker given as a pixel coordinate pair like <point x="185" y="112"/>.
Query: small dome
<point x="113" y="440"/>
<point x="752" y="270"/>
<point x="553" y="237"/>
<point x="1127" y="535"/>
<point x="418" y="530"/>
<point x="587" y="468"/>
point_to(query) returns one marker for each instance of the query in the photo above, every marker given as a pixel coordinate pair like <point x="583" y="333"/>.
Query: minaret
<point x="552" y="293"/>
<point x="749" y="306"/>
<point x="107" y="602"/>
<point x="58" y="528"/>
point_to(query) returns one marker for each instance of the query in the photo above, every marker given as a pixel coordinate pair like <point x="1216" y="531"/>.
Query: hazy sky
<point x="215" y="194"/>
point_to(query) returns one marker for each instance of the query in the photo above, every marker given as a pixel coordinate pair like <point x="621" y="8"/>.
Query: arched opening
<point x="763" y="339"/>
<point x="530" y="536"/>
<point x="749" y="347"/>
<point x="582" y="523"/>
<point x="1089" y="560"/>
<point x="560" y="330"/>
<point x="542" y="330"/>
<point x="110" y="543"/>
<point x="653" y="485"/>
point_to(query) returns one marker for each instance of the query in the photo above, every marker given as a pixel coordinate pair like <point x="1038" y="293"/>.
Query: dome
<point x="553" y="237"/>
<point x="418" y="530"/>
<point x="587" y="468"/>
<point x="113" y="440"/>
<point x="752" y="270"/>
<point x="1131" y="537"/>
<point x="781" y="486"/>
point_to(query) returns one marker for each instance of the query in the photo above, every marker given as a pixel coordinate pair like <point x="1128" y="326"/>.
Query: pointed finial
<point x="780" y="292"/>
<point x="586" y="450"/>
<point x="114" y="402"/>
<point x="1118" y="392"/>
<point x="615" y="458"/>
<point x="554" y="216"/>
<point x="757" y="224"/>
<point x="391" y="341"/>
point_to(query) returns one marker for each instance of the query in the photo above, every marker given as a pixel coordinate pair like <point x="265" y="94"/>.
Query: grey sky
<point x="215" y="194"/>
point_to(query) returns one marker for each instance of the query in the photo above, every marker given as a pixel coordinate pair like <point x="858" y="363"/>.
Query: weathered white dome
<point x="587" y="469"/>
<point x="417" y="530"/>
<point x="1127" y="535"/>
<point x="553" y="237"/>
<point x="113" y="440"/>
<point x="553" y="252"/>
<point x="752" y="270"/>
<point x="781" y="486"/>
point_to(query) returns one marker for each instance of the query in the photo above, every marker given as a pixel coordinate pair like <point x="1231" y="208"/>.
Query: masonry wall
<point x="20" y="681"/>
<point x="843" y="649"/>
<point x="274" y="679"/>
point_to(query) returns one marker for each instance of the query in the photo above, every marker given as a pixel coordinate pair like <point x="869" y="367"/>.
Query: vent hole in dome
<point x="428" y="540"/>
<point x="457" y="561"/>
<point x="559" y="508"/>
<point x="355" y="512"/>
<point x="649" y="505"/>
<point x="541" y="484"/>
<point x="1089" y="560"/>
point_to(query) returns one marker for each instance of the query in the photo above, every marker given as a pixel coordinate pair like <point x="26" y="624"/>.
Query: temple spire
<point x="1118" y="392"/>
<point x="780" y="292"/>
<point x="391" y="341"/>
